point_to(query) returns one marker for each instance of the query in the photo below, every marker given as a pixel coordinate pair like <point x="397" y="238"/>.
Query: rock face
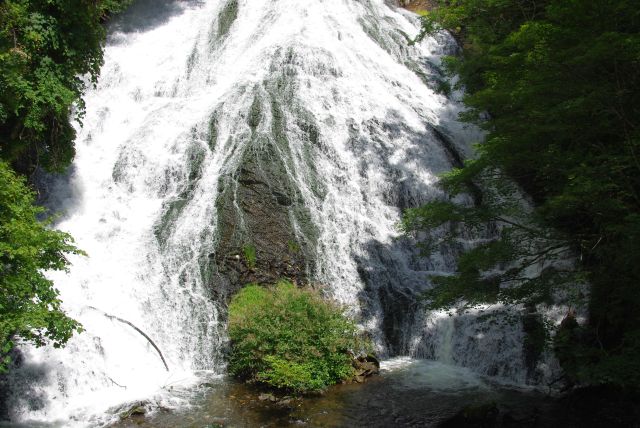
<point x="534" y="340"/>
<point x="265" y="231"/>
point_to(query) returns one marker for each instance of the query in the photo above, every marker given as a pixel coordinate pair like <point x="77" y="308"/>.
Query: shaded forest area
<point x="556" y="86"/>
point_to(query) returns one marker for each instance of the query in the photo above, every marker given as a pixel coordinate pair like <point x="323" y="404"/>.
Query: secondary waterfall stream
<point x="293" y="130"/>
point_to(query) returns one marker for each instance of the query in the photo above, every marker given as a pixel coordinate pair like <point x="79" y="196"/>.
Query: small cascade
<point x="241" y="141"/>
<point x="443" y="343"/>
<point x="489" y="340"/>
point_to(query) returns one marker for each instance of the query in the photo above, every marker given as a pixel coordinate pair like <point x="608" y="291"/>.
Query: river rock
<point x="364" y="367"/>
<point x="267" y="397"/>
<point x="130" y="410"/>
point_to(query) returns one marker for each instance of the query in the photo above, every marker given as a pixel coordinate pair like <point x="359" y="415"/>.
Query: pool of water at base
<point x="408" y="393"/>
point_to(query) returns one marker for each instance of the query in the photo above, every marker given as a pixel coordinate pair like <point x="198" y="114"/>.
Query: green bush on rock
<point x="291" y="339"/>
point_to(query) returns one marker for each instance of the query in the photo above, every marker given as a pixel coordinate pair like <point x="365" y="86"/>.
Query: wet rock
<point x="131" y="410"/>
<point x="285" y="401"/>
<point x="480" y="416"/>
<point x="398" y="303"/>
<point x="208" y="385"/>
<point x="215" y="424"/>
<point x="266" y="232"/>
<point x="16" y="361"/>
<point x="511" y="419"/>
<point x="271" y="399"/>
<point x="364" y="367"/>
<point x="267" y="397"/>
<point x="367" y="369"/>
<point x="534" y="341"/>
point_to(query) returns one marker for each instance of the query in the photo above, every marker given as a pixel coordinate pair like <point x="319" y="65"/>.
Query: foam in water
<point x="141" y="200"/>
<point x="436" y="376"/>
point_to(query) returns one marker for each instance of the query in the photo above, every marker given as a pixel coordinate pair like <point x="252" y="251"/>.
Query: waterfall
<point x="293" y="130"/>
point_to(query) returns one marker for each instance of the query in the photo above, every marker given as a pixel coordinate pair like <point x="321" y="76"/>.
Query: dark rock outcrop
<point x="534" y="342"/>
<point x="265" y="229"/>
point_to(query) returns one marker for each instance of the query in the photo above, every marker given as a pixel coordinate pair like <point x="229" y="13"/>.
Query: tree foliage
<point x="290" y="338"/>
<point x="50" y="50"/>
<point x="556" y="86"/>
<point x="46" y="47"/>
<point x="29" y="304"/>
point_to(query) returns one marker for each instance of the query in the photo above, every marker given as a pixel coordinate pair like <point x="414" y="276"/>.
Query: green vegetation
<point x="293" y="247"/>
<point x="290" y="339"/>
<point x="555" y="84"/>
<point x="227" y="17"/>
<point x="250" y="257"/>
<point x="44" y="47"/>
<point x="29" y="304"/>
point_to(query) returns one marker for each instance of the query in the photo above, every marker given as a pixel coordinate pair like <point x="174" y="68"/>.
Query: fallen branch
<point x="116" y="383"/>
<point x="113" y="317"/>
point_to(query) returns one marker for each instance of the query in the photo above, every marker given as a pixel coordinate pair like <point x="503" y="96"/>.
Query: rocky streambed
<point x="408" y="393"/>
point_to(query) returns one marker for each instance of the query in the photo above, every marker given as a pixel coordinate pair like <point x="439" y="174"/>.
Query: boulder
<point x="131" y="410"/>
<point x="364" y="367"/>
<point x="267" y="397"/>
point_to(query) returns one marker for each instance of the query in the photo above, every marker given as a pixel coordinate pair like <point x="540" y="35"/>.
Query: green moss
<point x="287" y="374"/>
<point x="171" y="211"/>
<point x="437" y="82"/>
<point x="293" y="246"/>
<point x="372" y="29"/>
<point x="395" y="40"/>
<point x="305" y="223"/>
<point x="290" y="338"/>
<point x="227" y="17"/>
<point x="250" y="257"/>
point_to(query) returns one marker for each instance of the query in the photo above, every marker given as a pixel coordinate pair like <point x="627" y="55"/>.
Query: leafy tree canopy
<point x="46" y="46"/>
<point x="29" y="304"/>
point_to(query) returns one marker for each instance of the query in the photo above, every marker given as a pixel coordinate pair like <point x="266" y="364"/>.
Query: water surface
<point x="408" y="393"/>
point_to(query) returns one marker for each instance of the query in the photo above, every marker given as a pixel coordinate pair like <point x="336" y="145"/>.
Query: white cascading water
<point x="384" y="134"/>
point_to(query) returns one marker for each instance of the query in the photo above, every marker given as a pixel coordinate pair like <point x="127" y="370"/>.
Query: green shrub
<point x="290" y="338"/>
